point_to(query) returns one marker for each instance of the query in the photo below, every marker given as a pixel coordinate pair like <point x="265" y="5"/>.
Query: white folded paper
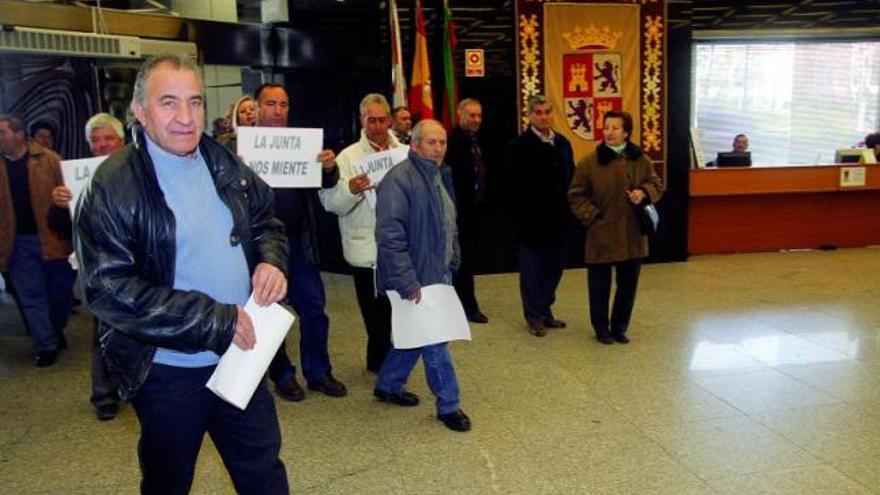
<point x="438" y="317"/>
<point x="239" y="372"/>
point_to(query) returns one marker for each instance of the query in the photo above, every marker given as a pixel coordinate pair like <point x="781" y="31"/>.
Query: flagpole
<point x="398" y="81"/>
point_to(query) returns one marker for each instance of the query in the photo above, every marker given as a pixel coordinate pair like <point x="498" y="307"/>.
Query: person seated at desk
<point x="740" y="145"/>
<point x="872" y="141"/>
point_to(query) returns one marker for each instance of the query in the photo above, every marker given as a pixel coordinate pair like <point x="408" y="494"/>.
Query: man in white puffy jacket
<point x="357" y="222"/>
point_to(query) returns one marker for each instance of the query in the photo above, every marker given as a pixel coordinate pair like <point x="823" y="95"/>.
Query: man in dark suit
<point x="543" y="165"/>
<point x="465" y="157"/>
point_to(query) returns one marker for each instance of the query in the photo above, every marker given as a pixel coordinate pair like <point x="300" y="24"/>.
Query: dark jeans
<point x="175" y="409"/>
<point x="376" y="311"/>
<point x="44" y="289"/>
<point x="104" y="391"/>
<point x="439" y="372"/>
<point x="305" y="292"/>
<point x="463" y="279"/>
<point x="540" y="269"/>
<point x="599" y="288"/>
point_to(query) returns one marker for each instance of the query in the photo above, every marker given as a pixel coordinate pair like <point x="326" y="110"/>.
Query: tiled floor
<point x="747" y="374"/>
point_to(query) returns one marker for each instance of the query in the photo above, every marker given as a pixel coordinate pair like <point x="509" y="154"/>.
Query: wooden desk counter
<point x="768" y="208"/>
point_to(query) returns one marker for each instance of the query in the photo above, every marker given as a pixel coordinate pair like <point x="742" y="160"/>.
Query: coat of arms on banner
<point x="591" y="80"/>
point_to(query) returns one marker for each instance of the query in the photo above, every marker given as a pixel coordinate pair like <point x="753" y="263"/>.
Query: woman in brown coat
<point x="606" y="187"/>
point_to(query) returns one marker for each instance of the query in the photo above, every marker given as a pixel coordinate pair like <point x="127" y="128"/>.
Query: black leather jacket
<point x="125" y="240"/>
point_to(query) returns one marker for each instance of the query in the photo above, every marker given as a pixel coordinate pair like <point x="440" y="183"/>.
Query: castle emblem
<point x="591" y="79"/>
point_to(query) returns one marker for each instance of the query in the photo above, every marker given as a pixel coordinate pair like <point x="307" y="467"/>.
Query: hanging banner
<point x="592" y="56"/>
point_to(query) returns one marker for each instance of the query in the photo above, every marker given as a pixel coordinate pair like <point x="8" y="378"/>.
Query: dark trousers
<point x="104" y="391"/>
<point x="10" y="289"/>
<point x="305" y="292"/>
<point x="540" y="269"/>
<point x="463" y="279"/>
<point x="599" y="288"/>
<point x="44" y="289"/>
<point x="376" y="311"/>
<point x="175" y="409"/>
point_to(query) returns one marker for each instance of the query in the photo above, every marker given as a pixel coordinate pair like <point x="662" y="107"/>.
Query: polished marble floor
<point x="747" y="374"/>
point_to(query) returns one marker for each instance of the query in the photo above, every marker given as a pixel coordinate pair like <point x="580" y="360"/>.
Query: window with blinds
<point x="797" y="101"/>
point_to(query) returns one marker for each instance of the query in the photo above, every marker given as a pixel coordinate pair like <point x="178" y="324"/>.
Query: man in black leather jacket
<point x="173" y="234"/>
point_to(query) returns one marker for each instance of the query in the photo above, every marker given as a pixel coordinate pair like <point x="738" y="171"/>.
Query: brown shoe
<point x="536" y="328"/>
<point x="553" y="323"/>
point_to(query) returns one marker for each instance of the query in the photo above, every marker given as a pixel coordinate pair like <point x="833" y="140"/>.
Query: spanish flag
<point x="421" y="100"/>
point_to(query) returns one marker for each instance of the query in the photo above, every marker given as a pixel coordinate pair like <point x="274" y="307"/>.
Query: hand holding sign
<point x="327" y="159"/>
<point x="61" y="196"/>
<point x="359" y="184"/>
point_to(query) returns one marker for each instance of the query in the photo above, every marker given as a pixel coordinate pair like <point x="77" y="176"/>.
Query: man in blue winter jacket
<point x="417" y="246"/>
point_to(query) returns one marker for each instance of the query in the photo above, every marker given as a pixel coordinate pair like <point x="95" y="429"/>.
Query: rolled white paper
<point x="239" y="372"/>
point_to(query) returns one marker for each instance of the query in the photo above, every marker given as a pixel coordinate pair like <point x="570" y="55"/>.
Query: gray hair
<point x="463" y="104"/>
<point x="100" y="120"/>
<point x="536" y="100"/>
<point x="14" y="121"/>
<point x="418" y="130"/>
<point x="177" y="61"/>
<point x="374" y="98"/>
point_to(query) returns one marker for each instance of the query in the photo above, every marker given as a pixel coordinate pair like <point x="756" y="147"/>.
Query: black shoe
<point x="553" y="323"/>
<point x="328" y="385"/>
<point x="106" y="412"/>
<point x="290" y="390"/>
<point x="403" y="398"/>
<point x="621" y="337"/>
<point x="62" y="342"/>
<point x="477" y="317"/>
<point x="605" y="338"/>
<point x="457" y="420"/>
<point x="46" y="358"/>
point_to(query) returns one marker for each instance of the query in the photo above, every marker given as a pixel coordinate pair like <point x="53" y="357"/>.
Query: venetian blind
<point x="797" y="101"/>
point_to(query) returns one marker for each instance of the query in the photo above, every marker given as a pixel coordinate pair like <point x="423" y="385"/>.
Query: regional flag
<point x="450" y="91"/>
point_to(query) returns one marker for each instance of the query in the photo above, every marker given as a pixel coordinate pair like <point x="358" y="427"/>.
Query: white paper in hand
<point x="239" y="372"/>
<point x="438" y="317"/>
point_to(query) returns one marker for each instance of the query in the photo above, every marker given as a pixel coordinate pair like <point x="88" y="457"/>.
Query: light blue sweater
<point x="204" y="258"/>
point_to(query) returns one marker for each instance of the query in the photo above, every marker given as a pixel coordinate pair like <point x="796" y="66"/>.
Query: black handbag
<point x="649" y="217"/>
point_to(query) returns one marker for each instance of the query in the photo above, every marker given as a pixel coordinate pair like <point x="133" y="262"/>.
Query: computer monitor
<point x="734" y="159"/>
<point x="854" y="155"/>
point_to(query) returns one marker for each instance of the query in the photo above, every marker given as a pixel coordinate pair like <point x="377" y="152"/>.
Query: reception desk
<point x="768" y="208"/>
